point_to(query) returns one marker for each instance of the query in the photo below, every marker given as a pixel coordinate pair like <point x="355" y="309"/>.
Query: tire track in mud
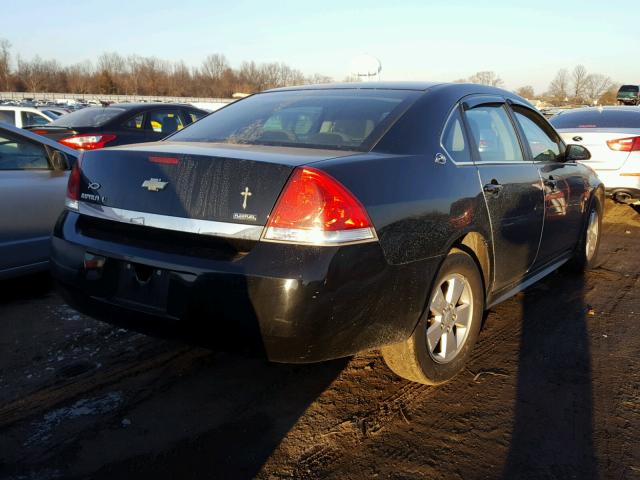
<point x="394" y="409"/>
<point x="47" y="398"/>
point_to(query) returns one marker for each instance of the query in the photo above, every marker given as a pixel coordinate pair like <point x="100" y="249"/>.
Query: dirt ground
<point x="552" y="392"/>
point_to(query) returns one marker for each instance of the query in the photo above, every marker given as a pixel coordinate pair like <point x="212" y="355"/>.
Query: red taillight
<point x="90" y="141"/>
<point x="315" y="208"/>
<point x="631" y="144"/>
<point x="164" y="160"/>
<point x="39" y="132"/>
<point x="73" y="186"/>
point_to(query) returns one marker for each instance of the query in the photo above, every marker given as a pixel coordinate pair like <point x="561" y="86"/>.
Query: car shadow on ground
<point x="25" y="288"/>
<point x="553" y="425"/>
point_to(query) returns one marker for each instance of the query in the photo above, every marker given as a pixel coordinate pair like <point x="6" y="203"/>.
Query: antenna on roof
<point x="366" y="67"/>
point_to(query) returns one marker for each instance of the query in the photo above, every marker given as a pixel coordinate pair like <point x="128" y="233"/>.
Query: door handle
<point x="493" y="188"/>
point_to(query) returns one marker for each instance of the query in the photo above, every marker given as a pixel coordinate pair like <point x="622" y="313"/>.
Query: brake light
<point x="164" y="160"/>
<point x="73" y="186"/>
<point x="39" y="132"/>
<point x="631" y="144"/>
<point x="315" y="208"/>
<point x="91" y="141"/>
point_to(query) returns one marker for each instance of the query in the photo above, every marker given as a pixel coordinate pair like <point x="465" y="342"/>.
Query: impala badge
<point x="154" y="184"/>
<point x="246" y="194"/>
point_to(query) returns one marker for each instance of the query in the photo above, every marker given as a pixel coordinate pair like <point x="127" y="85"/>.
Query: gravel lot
<point x="552" y="391"/>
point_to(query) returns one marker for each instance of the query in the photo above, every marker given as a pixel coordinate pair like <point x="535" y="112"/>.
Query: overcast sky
<point x="523" y="42"/>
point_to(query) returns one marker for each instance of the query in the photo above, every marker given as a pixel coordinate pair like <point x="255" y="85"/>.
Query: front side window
<point x="30" y="118"/>
<point x="19" y="154"/>
<point x="453" y="139"/>
<point x="494" y="135"/>
<point x="542" y="143"/>
<point x="346" y="119"/>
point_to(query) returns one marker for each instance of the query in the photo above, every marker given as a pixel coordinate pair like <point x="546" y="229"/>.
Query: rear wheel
<point x="445" y="335"/>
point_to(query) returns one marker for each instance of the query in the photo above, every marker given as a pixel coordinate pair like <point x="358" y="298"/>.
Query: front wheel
<point x="446" y="333"/>
<point x="586" y="256"/>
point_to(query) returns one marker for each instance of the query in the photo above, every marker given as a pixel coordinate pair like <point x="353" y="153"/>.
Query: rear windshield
<point x="629" y="88"/>
<point x="350" y="119"/>
<point x="88" y="117"/>
<point x="596" y="118"/>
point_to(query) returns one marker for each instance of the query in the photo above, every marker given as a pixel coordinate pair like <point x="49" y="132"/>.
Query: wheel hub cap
<point x="450" y="316"/>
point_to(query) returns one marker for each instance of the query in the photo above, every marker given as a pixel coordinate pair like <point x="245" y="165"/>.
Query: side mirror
<point x="575" y="153"/>
<point x="60" y="161"/>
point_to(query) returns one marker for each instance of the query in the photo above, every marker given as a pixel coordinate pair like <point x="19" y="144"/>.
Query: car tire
<point x="587" y="254"/>
<point x="457" y="299"/>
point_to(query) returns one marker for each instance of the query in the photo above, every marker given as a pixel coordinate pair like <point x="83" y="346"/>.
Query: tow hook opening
<point x="143" y="272"/>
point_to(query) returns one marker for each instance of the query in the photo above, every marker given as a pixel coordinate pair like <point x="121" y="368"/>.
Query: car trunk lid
<point x="198" y="182"/>
<point x="595" y="140"/>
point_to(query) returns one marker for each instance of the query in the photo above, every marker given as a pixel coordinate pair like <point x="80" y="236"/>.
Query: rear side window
<point x="597" y="118"/>
<point x="165" y="121"/>
<point x="542" y="142"/>
<point x="8" y="116"/>
<point x="346" y="119"/>
<point x="30" y="118"/>
<point x="136" y="122"/>
<point x="88" y="117"/>
<point x="193" y="116"/>
<point x="494" y="135"/>
<point x="453" y="139"/>
<point x="20" y="154"/>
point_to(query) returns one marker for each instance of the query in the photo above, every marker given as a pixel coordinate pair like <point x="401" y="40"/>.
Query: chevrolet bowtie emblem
<point x="154" y="184"/>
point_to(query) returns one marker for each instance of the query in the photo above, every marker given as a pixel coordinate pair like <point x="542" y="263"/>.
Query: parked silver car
<point x="33" y="179"/>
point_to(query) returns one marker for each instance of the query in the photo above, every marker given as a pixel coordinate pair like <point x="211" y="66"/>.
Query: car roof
<point x="26" y="109"/>
<point x="131" y="105"/>
<point x="419" y="86"/>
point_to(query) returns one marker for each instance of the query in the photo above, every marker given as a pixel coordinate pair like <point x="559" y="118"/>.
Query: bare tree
<point x="559" y="86"/>
<point x="486" y="78"/>
<point x="526" y="92"/>
<point x="579" y="78"/>
<point x="38" y="74"/>
<point x="79" y="77"/>
<point x="595" y="86"/>
<point x="5" y="67"/>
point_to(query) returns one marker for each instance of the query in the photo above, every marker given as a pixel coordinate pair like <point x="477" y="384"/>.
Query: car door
<point x="31" y="199"/>
<point x="511" y="186"/>
<point x="162" y="122"/>
<point x="565" y="191"/>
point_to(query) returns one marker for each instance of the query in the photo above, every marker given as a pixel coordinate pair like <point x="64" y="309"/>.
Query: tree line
<point x="113" y="73"/>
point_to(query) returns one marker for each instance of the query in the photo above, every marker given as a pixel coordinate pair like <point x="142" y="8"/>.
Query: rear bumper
<point x="294" y="303"/>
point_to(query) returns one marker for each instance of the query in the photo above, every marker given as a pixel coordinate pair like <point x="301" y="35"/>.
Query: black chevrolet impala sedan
<point x="316" y="222"/>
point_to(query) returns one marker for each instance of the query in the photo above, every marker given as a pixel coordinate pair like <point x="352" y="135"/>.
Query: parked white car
<point x="612" y="135"/>
<point x="23" y="116"/>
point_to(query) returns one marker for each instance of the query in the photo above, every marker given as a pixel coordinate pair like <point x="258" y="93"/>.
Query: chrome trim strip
<point x="178" y="224"/>
<point x="319" y="238"/>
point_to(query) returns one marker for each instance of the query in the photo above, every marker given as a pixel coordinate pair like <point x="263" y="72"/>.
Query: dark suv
<point x="628" y="95"/>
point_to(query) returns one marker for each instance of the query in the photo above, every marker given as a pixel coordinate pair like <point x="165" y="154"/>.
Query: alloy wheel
<point x="450" y="317"/>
